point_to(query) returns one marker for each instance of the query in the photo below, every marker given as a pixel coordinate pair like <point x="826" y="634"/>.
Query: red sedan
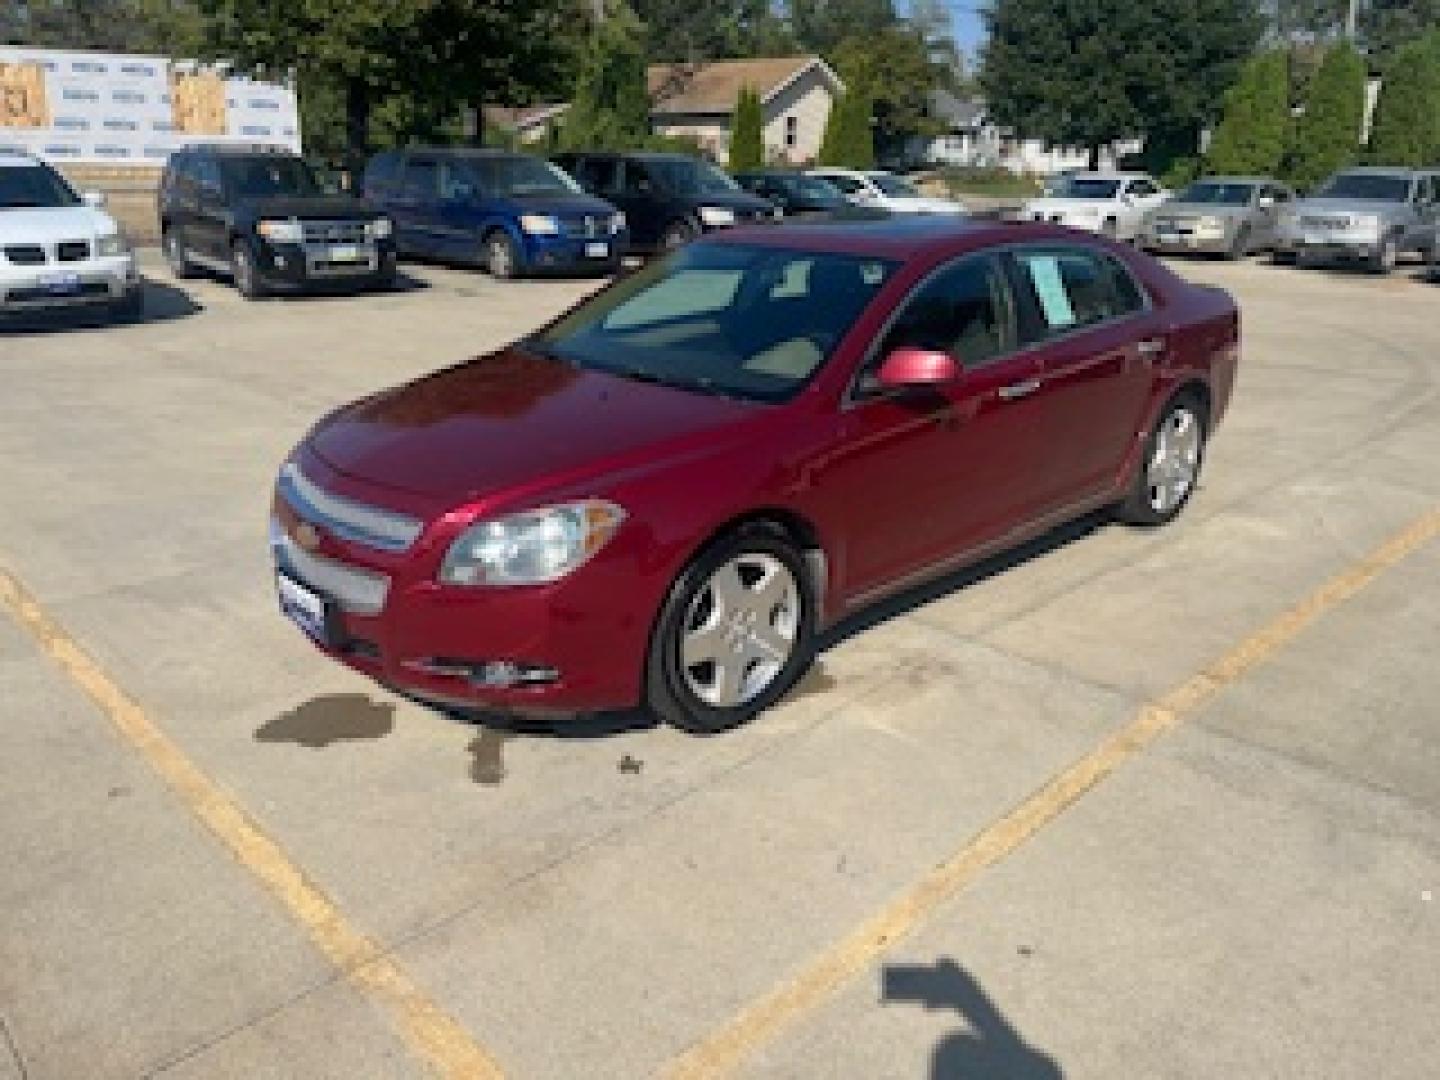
<point x="667" y="494"/>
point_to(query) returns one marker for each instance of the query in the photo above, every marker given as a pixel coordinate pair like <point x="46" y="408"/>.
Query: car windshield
<point x="259" y="177"/>
<point x="687" y="176"/>
<point x="812" y="187"/>
<point x="894" y="186"/>
<point x="33" y="187"/>
<point x="1218" y="194"/>
<point x="520" y="176"/>
<point x="1088" y="187"/>
<point x="1376" y="186"/>
<point x="747" y="322"/>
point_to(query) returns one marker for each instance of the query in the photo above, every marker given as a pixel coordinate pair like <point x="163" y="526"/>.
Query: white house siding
<point x="711" y="133"/>
<point x="808" y="99"/>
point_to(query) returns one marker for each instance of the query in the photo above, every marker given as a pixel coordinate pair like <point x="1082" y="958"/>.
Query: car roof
<point x="1236" y="180"/>
<point x="1383" y="170"/>
<point x="901" y="237"/>
<point x="1101" y="174"/>
<point x="462" y="151"/>
<point x="17" y="159"/>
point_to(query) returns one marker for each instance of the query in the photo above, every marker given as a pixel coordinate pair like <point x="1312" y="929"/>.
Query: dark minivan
<point x="669" y="199"/>
<point x="512" y="213"/>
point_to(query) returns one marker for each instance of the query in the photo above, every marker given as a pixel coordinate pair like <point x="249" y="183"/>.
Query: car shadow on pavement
<point x="330" y="719"/>
<point x="988" y="1047"/>
<point x="163" y="303"/>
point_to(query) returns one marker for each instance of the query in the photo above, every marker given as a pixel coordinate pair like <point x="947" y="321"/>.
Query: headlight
<point x="380" y="229"/>
<point x="717" y="216"/>
<point x="539" y="224"/>
<point x="281" y="230"/>
<point x="114" y="244"/>
<point x="617" y="222"/>
<point x="533" y="547"/>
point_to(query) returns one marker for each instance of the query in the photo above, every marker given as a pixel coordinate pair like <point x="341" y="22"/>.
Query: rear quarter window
<point x="1070" y="289"/>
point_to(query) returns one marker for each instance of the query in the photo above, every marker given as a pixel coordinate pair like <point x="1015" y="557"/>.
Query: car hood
<point x="311" y="206"/>
<point x="560" y="204"/>
<point x="1350" y="206"/>
<point x="513" y="421"/>
<point x="51" y="225"/>
<point x="735" y="200"/>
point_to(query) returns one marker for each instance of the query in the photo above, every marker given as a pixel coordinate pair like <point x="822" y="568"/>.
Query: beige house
<point x="697" y="101"/>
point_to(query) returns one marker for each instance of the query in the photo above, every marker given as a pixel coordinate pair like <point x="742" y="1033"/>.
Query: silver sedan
<point x="1221" y="215"/>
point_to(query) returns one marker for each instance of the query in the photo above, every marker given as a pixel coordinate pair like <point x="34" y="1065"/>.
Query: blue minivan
<point x="511" y="213"/>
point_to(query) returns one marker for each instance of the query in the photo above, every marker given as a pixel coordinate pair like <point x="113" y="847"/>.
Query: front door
<point x="924" y="476"/>
<point x="415" y="205"/>
<point x="208" y="232"/>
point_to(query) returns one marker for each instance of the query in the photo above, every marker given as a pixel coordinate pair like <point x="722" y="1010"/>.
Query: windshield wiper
<point x="697" y="384"/>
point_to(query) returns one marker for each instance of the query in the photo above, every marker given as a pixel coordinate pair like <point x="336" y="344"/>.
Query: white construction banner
<point x="103" y="108"/>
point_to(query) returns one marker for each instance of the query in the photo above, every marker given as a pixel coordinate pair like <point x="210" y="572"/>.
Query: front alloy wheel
<point x="500" y="258"/>
<point x="734" y="635"/>
<point x="1386" y="257"/>
<point x="173" y="243"/>
<point x="242" y="268"/>
<point x="1173" y="456"/>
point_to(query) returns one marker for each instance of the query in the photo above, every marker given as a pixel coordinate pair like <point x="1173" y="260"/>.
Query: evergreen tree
<point x="831" y="148"/>
<point x="611" y="106"/>
<point x="1406" y="128"/>
<point x="1327" y="136"/>
<point x="1254" y="131"/>
<point x="747" y="139"/>
<point x="859" y="131"/>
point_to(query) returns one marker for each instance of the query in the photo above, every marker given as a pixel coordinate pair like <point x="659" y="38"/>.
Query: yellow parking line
<point x="441" y="1043"/>
<point x="719" y="1052"/>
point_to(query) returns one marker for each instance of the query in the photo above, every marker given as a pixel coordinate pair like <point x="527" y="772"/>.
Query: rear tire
<point x="736" y="632"/>
<point x="1170" y="469"/>
<point x="173" y="244"/>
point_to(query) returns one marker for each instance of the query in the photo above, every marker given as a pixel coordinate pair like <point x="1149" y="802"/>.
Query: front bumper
<point x="1080" y="222"/>
<point x="1186" y="238"/>
<point x="324" y="266"/>
<point x="1331" y="245"/>
<point x="569" y="254"/>
<point x="63" y="285"/>
<point x="390" y="620"/>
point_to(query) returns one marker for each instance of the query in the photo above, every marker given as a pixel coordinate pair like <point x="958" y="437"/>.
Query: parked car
<point x="58" y="250"/>
<point x="669" y="199"/>
<point x="1112" y="204"/>
<point x="258" y="214"/>
<point x="1221" y="215"/>
<point x="795" y="193"/>
<point x="668" y="493"/>
<point x="1369" y="215"/>
<point x="877" y="190"/>
<point x="512" y="213"/>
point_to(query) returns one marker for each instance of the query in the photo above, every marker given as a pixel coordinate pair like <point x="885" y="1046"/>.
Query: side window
<point x="457" y="182"/>
<point x="966" y="310"/>
<point x="207" y="177"/>
<point x="383" y="173"/>
<point x="637" y="180"/>
<point x="1142" y="188"/>
<point x="1073" y="289"/>
<point x="422" y="178"/>
<point x="598" y="175"/>
<point x="848" y="185"/>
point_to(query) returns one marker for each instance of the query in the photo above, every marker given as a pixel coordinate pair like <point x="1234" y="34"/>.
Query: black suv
<point x="259" y="215"/>
<point x="668" y="199"/>
<point x="796" y="194"/>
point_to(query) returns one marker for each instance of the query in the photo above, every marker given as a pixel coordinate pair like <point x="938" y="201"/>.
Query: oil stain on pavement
<point x="487" y="751"/>
<point x="330" y="719"/>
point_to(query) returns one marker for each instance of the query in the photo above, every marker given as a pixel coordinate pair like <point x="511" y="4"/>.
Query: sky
<point x="965" y="17"/>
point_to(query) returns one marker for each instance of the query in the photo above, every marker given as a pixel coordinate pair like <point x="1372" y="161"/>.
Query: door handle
<point x="1018" y="390"/>
<point x="1151" y="347"/>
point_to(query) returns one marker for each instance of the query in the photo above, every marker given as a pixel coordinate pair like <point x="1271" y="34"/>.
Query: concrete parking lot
<point x="1122" y="804"/>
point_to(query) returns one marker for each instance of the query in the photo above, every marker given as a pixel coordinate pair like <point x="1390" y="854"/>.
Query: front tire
<point x="736" y="632"/>
<point x="173" y="243"/>
<point x="502" y="261"/>
<point x="1240" y="246"/>
<point x="1170" y="469"/>
<point x="1386" y="256"/>
<point x="677" y="234"/>
<point x="242" y="269"/>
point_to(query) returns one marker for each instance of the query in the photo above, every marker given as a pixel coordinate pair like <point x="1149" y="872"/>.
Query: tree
<point x="438" y="54"/>
<point x="747" y="141"/>
<point x="821" y="25"/>
<point x="167" y="27"/>
<point x="1327" y="136"/>
<point x="713" y="30"/>
<point x="897" y="70"/>
<point x="1388" y="26"/>
<point x="1252" y="136"/>
<point x="611" y="106"/>
<point x="1079" y="73"/>
<point x="848" y="142"/>
<point x="1406" y="127"/>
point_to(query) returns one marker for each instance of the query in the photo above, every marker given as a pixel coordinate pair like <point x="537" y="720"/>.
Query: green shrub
<point x="1253" y="132"/>
<point x="1327" y="136"/>
<point x="747" y="143"/>
<point x="1406" y="128"/>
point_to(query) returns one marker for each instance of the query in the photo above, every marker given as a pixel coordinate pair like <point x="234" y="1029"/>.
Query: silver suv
<point x="1372" y="215"/>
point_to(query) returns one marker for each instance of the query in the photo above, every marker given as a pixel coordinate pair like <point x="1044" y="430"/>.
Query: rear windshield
<point x="1376" y="186"/>
<point x="33" y="187"/>
<point x="685" y="176"/>
<point x="1218" y="194"/>
<point x="521" y="176"/>
<point x="1086" y="187"/>
<point x="260" y="177"/>
<point x="746" y="322"/>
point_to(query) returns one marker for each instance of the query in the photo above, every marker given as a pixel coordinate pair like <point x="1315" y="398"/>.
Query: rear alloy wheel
<point x="173" y="243"/>
<point x="242" y="269"/>
<point x="501" y="261"/>
<point x="1386" y="256"/>
<point x="1171" y="467"/>
<point x="735" y="634"/>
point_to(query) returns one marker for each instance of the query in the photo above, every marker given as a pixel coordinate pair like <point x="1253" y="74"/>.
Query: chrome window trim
<point x="360" y="592"/>
<point x="369" y="526"/>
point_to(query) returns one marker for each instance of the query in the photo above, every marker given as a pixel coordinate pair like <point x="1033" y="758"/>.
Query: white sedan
<point x="885" y="191"/>
<point x="1114" y="204"/>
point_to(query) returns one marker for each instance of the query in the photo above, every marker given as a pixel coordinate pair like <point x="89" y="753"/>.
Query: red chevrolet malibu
<point x="667" y="494"/>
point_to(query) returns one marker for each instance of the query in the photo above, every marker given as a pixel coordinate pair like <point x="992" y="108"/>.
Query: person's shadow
<point x="988" y="1047"/>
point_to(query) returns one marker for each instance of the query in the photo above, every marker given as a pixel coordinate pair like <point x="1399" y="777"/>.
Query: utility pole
<point x="1352" y="19"/>
<point x="599" y="6"/>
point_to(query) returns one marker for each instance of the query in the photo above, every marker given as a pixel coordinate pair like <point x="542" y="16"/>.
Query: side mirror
<point x="94" y="199"/>
<point x="909" y="367"/>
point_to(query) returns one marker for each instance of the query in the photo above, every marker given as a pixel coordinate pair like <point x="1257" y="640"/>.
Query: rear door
<point x="209" y="229"/>
<point x="415" y="204"/>
<point x="1097" y="338"/>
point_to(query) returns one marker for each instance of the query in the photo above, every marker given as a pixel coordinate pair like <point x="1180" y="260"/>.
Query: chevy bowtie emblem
<point x="307" y="536"/>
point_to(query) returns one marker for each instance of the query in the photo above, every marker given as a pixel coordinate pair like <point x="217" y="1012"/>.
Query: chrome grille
<point x="1313" y="221"/>
<point x="334" y="232"/>
<point x="361" y="592"/>
<point x="25" y="254"/>
<point x="588" y="227"/>
<point x="369" y="526"/>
